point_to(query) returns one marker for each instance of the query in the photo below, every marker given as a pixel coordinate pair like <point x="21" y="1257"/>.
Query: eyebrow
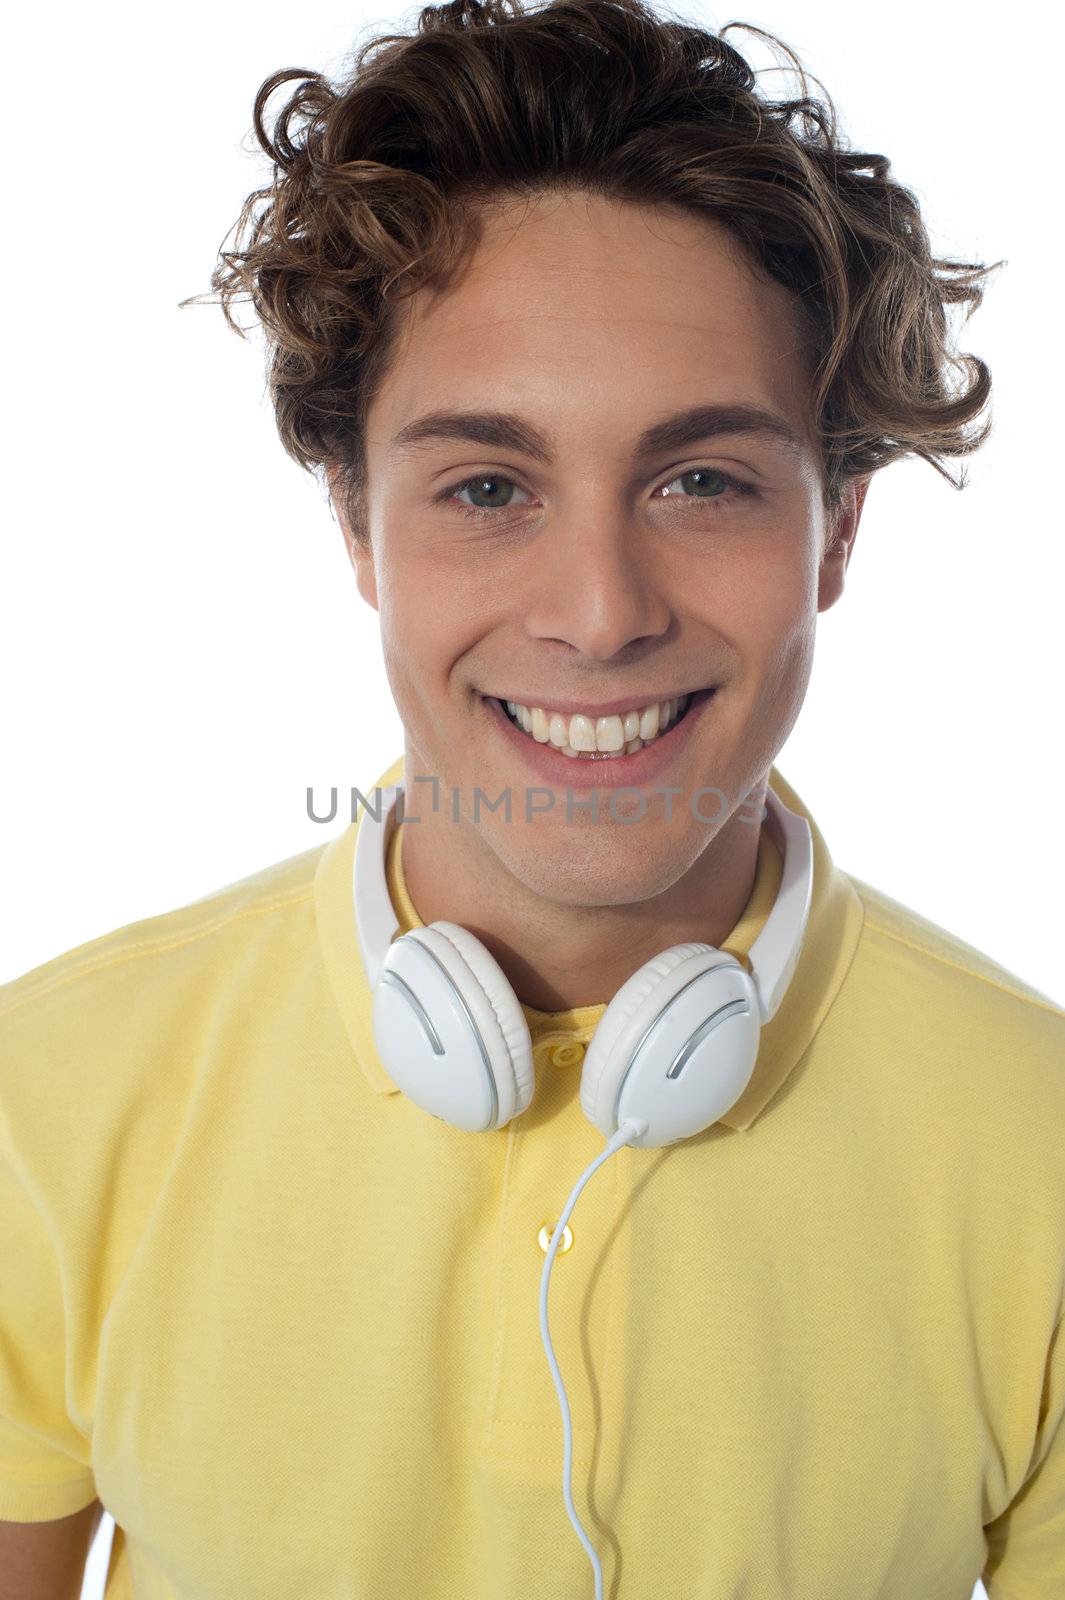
<point x="507" y="430"/>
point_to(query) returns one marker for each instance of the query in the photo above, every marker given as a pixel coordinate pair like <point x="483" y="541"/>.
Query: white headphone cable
<point x="633" y="1128"/>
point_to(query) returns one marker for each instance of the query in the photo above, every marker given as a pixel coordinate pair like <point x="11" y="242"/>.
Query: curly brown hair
<point x="378" y="183"/>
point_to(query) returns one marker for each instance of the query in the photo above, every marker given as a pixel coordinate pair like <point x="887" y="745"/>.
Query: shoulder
<point x="963" y="1062"/>
<point x="957" y="1028"/>
<point x="901" y="936"/>
<point x="112" y="1049"/>
<point x="152" y="948"/>
<point x="133" y="1006"/>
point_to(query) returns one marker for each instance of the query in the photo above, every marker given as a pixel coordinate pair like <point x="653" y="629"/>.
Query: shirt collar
<point x="832" y="933"/>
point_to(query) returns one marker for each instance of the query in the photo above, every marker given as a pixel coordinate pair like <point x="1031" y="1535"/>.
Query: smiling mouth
<point x="604" y="738"/>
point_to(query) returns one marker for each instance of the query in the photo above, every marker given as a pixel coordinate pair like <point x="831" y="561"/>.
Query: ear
<point x="360" y="553"/>
<point x="842" y="532"/>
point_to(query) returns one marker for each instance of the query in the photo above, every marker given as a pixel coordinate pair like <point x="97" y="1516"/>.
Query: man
<point x="279" y="1320"/>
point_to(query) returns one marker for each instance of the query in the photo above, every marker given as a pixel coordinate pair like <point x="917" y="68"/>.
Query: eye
<point x="736" y="486"/>
<point x="478" y="484"/>
<point x="497" y="488"/>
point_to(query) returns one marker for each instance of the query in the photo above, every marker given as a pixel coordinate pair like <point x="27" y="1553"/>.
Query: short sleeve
<point x="45" y="1464"/>
<point x="1026" y="1543"/>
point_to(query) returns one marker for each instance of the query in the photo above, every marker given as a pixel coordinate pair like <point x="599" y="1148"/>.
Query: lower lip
<point x="612" y="772"/>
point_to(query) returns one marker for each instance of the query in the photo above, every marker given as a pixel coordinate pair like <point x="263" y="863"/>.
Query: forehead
<point x="574" y="305"/>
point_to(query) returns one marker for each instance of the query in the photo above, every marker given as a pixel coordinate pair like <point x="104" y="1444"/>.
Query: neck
<point x="557" y="956"/>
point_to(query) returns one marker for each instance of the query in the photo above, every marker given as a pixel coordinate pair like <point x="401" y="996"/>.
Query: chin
<point x="608" y="864"/>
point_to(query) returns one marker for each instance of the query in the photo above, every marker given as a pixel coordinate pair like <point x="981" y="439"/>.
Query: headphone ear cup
<point x="512" y="1064"/>
<point x="596" y="1092"/>
<point x="682" y="1006"/>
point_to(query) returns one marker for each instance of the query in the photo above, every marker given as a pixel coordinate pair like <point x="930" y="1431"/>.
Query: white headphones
<point x="674" y="1050"/>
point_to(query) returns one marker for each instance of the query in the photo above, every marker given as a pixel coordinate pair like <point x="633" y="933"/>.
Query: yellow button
<point x="546" y="1234"/>
<point x="566" y="1055"/>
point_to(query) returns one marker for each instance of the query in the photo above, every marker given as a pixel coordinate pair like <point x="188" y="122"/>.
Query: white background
<point x="183" y="647"/>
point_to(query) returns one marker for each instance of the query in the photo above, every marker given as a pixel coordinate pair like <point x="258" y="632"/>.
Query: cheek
<point x="784" y="643"/>
<point x="430" y="618"/>
<point x="766" y="605"/>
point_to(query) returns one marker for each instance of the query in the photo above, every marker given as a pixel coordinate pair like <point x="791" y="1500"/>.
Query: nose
<point x="597" y="586"/>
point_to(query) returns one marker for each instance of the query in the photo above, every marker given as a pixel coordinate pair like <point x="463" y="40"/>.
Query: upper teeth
<point x="608" y="734"/>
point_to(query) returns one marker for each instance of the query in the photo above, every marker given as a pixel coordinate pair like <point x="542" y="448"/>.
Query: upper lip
<point x="608" y="708"/>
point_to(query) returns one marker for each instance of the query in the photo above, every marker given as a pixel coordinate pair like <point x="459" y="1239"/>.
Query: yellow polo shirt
<point x="285" y="1326"/>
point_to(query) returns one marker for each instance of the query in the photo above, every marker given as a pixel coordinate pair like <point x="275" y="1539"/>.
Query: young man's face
<point x="583" y="582"/>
